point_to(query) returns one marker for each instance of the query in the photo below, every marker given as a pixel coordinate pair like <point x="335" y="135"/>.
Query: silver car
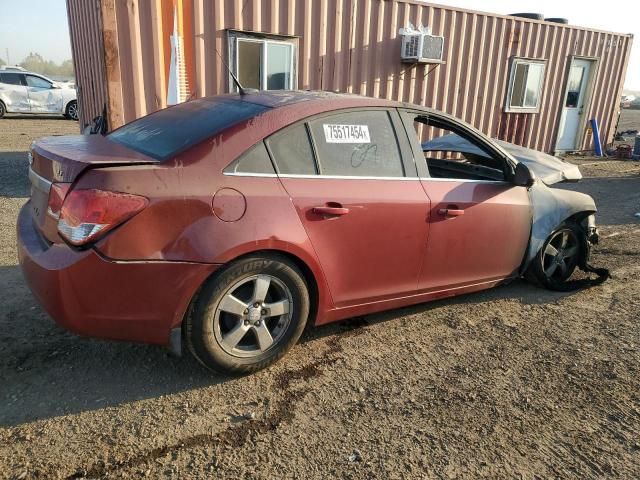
<point x="27" y="92"/>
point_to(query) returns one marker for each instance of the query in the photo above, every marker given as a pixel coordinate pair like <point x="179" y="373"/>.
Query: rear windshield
<point x="166" y="133"/>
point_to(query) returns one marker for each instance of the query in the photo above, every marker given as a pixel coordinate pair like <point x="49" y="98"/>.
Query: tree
<point x="35" y="63"/>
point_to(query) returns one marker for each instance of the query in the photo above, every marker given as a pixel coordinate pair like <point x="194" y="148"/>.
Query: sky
<point x="41" y="25"/>
<point x="34" y="26"/>
<point x="622" y="16"/>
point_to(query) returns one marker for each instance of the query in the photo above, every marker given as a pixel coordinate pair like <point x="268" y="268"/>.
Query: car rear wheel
<point x="3" y="109"/>
<point x="249" y="315"/>
<point x="72" y="110"/>
<point x="559" y="256"/>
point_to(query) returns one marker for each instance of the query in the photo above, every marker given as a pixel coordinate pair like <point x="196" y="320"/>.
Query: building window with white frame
<point x="525" y="85"/>
<point x="263" y="62"/>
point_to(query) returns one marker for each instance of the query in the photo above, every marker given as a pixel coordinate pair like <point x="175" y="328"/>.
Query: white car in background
<point x="27" y="92"/>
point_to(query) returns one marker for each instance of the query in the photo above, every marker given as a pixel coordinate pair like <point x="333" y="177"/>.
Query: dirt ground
<point x="514" y="382"/>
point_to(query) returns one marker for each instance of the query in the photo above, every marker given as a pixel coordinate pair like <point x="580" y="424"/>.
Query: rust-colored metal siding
<point x="85" y="29"/>
<point x="354" y="46"/>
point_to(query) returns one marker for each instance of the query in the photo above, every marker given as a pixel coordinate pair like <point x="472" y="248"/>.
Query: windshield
<point x="167" y="132"/>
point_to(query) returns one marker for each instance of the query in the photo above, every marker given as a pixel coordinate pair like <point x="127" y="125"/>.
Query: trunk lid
<point x="63" y="159"/>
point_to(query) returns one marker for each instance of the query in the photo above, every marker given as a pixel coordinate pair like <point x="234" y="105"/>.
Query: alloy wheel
<point x="72" y="111"/>
<point x="253" y="316"/>
<point x="560" y="255"/>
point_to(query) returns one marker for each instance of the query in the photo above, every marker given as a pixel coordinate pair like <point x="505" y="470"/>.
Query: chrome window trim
<point x="249" y="174"/>
<point x="39" y="182"/>
<point x="465" y="180"/>
<point x="347" y="177"/>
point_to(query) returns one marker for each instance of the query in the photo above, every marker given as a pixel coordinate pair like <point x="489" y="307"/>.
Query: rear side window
<point x="292" y="151"/>
<point x="256" y="160"/>
<point x="166" y="133"/>
<point x="357" y="144"/>
<point x="11" y="78"/>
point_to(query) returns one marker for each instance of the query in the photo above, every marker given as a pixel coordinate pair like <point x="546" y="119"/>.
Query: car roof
<point x="283" y="98"/>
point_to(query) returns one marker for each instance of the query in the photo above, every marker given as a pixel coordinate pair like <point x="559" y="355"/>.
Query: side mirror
<point x="523" y="176"/>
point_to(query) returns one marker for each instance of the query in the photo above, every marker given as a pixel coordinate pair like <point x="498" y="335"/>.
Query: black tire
<point x="3" y="109"/>
<point x="552" y="270"/>
<point x="71" y="112"/>
<point x="208" y="324"/>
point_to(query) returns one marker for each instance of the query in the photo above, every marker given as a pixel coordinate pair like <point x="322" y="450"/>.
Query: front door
<point x="43" y="96"/>
<point x="362" y="207"/>
<point x="573" y="107"/>
<point x="479" y="222"/>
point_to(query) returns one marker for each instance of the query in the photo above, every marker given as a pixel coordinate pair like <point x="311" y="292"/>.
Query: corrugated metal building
<point x="531" y="82"/>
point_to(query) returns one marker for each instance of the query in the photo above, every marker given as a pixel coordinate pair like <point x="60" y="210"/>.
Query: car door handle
<point x="331" y="211"/>
<point x="451" y="212"/>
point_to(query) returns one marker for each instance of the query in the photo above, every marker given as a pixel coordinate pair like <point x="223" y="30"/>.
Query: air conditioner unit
<point x="421" y="47"/>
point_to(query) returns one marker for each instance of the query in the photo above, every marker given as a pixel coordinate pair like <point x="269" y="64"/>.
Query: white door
<point x="573" y="105"/>
<point x="43" y="96"/>
<point x="13" y="92"/>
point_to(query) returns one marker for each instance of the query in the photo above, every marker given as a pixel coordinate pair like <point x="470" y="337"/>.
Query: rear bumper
<point x="90" y="295"/>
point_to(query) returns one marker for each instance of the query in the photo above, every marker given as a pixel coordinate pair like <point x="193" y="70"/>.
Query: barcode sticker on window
<point x="346" y="133"/>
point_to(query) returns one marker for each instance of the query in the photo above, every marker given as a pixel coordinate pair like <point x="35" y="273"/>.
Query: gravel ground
<point x="514" y="382"/>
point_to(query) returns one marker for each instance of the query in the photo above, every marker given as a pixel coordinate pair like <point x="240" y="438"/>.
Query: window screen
<point x="292" y="151"/>
<point x="256" y="160"/>
<point x="250" y="64"/>
<point x="263" y="63"/>
<point x="167" y="132"/>
<point x="526" y="84"/>
<point x="357" y="144"/>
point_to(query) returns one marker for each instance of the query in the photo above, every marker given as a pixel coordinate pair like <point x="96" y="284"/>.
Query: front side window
<point x="357" y="144"/>
<point x="450" y="153"/>
<point x="37" y="82"/>
<point x="525" y="85"/>
<point x="263" y="63"/>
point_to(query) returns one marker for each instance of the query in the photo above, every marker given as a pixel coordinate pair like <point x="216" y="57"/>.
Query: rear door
<point x="13" y="92"/>
<point x="479" y="221"/>
<point x="360" y="201"/>
<point x="43" y="96"/>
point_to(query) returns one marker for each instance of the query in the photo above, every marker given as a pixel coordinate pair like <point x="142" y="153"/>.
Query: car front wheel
<point x="559" y="256"/>
<point x="249" y="315"/>
<point x="72" y="110"/>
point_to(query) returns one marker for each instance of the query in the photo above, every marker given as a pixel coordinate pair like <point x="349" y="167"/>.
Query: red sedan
<point x="231" y="222"/>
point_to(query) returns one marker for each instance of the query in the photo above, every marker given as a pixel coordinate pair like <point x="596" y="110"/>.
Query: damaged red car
<point x="229" y="223"/>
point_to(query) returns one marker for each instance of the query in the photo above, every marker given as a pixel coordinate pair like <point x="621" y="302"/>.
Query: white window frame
<point x="515" y="61"/>
<point x="234" y="37"/>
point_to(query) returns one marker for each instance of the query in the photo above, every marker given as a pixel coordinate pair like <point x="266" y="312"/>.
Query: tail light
<point x="88" y="214"/>
<point x="57" y="192"/>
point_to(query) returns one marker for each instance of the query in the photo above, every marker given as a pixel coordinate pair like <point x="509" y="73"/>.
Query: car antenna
<point x="241" y="89"/>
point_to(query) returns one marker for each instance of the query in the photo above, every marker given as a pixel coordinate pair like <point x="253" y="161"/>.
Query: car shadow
<point x="36" y="116"/>
<point x="47" y="372"/>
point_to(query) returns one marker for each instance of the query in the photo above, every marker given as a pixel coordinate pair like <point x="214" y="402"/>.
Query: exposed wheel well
<point x="66" y="107"/>
<point x="309" y="277"/>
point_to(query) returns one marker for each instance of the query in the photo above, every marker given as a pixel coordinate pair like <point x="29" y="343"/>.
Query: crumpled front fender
<point x="551" y="207"/>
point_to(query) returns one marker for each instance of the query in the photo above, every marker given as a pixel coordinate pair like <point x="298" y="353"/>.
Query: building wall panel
<point x="348" y="46"/>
